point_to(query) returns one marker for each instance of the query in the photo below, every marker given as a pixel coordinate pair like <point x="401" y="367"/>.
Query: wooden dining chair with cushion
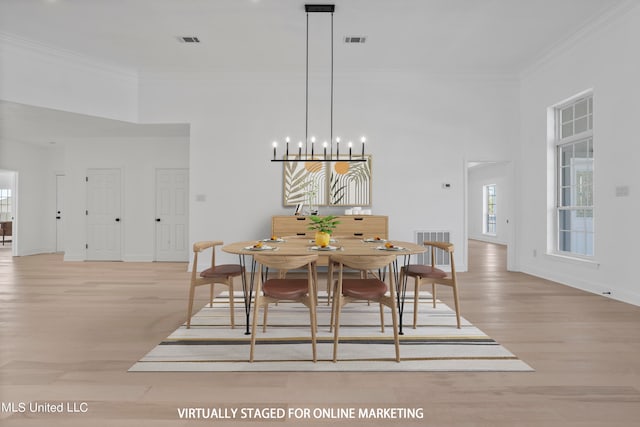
<point x="222" y="274"/>
<point x="281" y="288"/>
<point x="364" y="288"/>
<point x="430" y="274"/>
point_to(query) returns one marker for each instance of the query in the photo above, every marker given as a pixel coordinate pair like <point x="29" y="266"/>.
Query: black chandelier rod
<point x="306" y="97"/>
<point x="322" y="8"/>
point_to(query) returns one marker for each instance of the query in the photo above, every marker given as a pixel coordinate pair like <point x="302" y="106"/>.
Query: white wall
<point x="137" y="158"/>
<point x="35" y="166"/>
<point x="604" y="60"/>
<point x="478" y="177"/>
<point x="6" y="179"/>
<point x="420" y="130"/>
<point x="37" y="75"/>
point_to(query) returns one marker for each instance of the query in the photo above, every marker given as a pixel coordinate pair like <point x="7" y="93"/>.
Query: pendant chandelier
<point x="307" y="151"/>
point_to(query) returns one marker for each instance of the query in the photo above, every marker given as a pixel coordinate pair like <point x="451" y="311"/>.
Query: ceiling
<point x="449" y="35"/>
<point x="462" y="36"/>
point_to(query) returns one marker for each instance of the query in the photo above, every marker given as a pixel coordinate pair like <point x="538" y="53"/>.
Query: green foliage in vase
<point x="324" y="224"/>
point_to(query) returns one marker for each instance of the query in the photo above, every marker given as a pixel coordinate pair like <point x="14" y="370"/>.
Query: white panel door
<point x="59" y="213"/>
<point x="172" y="214"/>
<point x="103" y="215"/>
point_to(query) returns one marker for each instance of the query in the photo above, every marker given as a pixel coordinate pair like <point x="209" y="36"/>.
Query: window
<point x="574" y="177"/>
<point x="489" y="214"/>
<point x="5" y="204"/>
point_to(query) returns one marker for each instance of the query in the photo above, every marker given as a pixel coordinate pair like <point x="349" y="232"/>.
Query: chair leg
<point x="457" y="304"/>
<point x="211" y="291"/>
<point x="381" y="318"/>
<point x="329" y="280"/>
<point x="254" y="326"/>
<point x="314" y="326"/>
<point x="337" y="301"/>
<point x="396" y="338"/>
<point x="232" y="309"/>
<point x="333" y="307"/>
<point x="190" y="306"/>
<point x="416" y="298"/>
<point x="264" y="318"/>
<point x="433" y="294"/>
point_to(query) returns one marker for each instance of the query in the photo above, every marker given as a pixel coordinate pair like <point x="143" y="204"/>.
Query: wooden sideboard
<point x="359" y="226"/>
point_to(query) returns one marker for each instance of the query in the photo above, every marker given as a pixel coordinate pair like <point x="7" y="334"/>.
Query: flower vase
<point x="322" y="238"/>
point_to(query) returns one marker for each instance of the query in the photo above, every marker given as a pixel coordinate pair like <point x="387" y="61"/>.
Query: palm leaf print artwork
<point x="304" y="182"/>
<point x="349" y="183"/>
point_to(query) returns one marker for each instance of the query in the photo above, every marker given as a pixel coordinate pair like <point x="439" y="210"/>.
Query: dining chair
<point x="214" y="274"/>
<point x="364" y="288"/>
<point x="425" y="274"/>
<point x="272" y="290"/>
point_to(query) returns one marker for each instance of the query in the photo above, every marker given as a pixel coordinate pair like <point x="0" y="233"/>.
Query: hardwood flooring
<point x="69" y="332"/>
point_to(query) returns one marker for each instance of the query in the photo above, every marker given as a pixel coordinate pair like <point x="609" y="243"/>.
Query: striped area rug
<point x="435" y="345"/>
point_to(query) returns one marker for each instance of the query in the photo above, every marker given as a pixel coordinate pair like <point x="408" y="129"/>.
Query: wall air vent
<point x="442" y="258"/>
<point x="189" y="39"/>
<point x="355" y="39"/>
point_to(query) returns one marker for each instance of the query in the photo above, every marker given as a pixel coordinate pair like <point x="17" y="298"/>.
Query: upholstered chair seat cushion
<point x="223" y="270"/>
<point x="286" y="289"/>
<point x="366" y="289"/>
<point x="425" y="271"/>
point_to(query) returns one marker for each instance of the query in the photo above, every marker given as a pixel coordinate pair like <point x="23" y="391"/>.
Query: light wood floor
<point x="70" y="331"/>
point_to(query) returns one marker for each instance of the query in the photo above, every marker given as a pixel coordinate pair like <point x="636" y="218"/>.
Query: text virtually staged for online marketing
<point x="218" y="412"/>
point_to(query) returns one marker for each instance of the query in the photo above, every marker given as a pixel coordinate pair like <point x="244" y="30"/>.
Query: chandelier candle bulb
<point x="324" y="144"/>
<point x="275" y="145"/>
<point x="350" y="145"/>
<point x="300" y="149"/>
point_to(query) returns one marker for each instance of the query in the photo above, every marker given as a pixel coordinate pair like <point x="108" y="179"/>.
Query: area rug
<point x="435" y="345"/>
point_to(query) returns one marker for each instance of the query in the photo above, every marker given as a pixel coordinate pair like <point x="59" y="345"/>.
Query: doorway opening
<point x="490" y="204"/>
<point x="8" y="211"/>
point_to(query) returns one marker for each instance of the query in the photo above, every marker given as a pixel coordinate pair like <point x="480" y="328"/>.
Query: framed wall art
<point x="316" y="183"/>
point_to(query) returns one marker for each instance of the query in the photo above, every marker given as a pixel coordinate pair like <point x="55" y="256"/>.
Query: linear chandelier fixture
<point x="325" y="155"/>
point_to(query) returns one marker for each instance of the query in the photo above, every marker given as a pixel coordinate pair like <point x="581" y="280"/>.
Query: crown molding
<point x="596" y="25"/>
<point x="49" y="51"/>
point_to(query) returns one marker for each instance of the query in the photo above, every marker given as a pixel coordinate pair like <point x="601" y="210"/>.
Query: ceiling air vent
<point x="189" y="39"/>
<point x="355" y="39"/>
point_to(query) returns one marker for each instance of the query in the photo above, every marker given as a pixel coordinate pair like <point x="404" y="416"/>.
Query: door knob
<point x="157" y="219"/>
<point x="117" y="219"/>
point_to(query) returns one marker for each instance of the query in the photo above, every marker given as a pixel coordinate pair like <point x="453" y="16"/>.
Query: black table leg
<point x="247" y="288"/>
<point x="401" y="289"/>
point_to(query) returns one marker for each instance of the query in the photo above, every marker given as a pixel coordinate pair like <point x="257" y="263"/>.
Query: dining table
<point x="296" y="245"/>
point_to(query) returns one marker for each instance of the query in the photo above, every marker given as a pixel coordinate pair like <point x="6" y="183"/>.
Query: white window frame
<point x="6" y="204"/>
<point x="485" y="210"/>
<point x="582" y="211"/>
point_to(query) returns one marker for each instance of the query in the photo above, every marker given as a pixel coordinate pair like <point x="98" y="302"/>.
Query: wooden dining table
<point x="304" y="246"/>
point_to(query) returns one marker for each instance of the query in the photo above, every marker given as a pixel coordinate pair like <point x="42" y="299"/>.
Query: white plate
<point x="395" y="248"/>
<point x="374" y="240"/>
<point x="271" y="240"/>
<point x="326" y="248"/>
<point x="262" y="248"/>
<point x="330" y="241"/>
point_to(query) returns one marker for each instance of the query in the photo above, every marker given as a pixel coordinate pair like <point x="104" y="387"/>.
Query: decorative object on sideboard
<point x="326" y="153"/>
<point x="323" y="227"/>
